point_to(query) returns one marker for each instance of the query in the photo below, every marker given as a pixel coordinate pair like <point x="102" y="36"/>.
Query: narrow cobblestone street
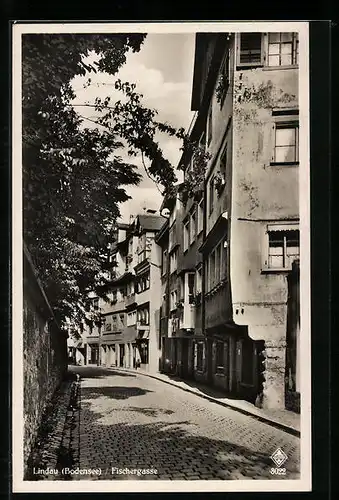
<point x="132" y="421"/>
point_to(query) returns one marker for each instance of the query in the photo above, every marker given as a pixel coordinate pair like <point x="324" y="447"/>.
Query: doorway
<point x="122" y="354"/>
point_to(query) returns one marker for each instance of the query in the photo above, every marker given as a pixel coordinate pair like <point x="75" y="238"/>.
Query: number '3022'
<point x="278" y="472"/>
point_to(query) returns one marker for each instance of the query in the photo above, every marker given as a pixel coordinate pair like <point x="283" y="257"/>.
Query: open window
<point x="250" y="49"/>
<point x="273" y="49"/>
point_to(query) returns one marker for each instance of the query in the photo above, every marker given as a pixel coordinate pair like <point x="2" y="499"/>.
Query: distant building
<point x="125" y="331"/>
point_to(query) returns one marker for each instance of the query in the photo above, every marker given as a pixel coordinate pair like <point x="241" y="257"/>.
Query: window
<point x="164" y="262"/>
<point x="130" y="289"/>
<point x="173" y="261"/>
<point x="114" y="296"/>
<point x="144" y="248"/>
<point x="186" y="235"/>
<point x="223" y="163"/>
<point x="283" y="248"/>
<point x="143" y="316"/>
<point x="122" y="319"/>
<point x="108" y="327"/>
<point x="211" y="190"/>
<point x="224" y="78"/>
<point x="95" y="303"/>
<point x="131" y="318"/>
<point x="172" y="236"/>
<point x="212" y="269"/>
<point x="189" y="288"/>
<point x="282" y="49"/>
<point x="200" y="356"/>
<point x="173" y="299"/>
<point x="286" y="142"/>
<point x="143" y="282"/>
<point x="200" y="217"/>
<point x="192" y="227"/>
<point x="217" y="274"/>
<point x="198" y="281"/>
<point x="209" y="126"/>
<point x="250" y="49"/>
<point x="223" y="260"/>
<point x="216" y="266"/>
<point x="220" y="357"/>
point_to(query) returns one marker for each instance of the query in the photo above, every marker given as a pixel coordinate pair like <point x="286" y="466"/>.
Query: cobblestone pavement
<point x="136" y="422"/>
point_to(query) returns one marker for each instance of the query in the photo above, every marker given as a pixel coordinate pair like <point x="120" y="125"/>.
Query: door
<point x="184" y="358"/>
<point x="209" y="356"/>
<point x="122" y="354"/>
<point x="134" y="355"/>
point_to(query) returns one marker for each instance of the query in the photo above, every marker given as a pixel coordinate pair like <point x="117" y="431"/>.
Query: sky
<point x="163" y="73"/>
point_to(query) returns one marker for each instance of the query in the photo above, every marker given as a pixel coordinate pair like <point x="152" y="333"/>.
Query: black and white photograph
<point x="161" y="282"/>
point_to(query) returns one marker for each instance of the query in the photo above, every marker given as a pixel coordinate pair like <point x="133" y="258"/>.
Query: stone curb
<point x="265" y="419"/>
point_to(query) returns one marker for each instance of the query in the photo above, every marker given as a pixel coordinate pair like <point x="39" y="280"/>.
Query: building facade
<point x="236" y="241"/>
<point x="125" y="331"/>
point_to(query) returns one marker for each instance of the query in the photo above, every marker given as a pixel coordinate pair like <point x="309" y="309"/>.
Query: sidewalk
<point x="56" y="444"/>
<point x="282" y="419"/>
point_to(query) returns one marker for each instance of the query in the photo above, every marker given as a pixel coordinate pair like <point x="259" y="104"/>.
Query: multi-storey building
<point x="125" y="331"/>
<point x="238" y="240"/>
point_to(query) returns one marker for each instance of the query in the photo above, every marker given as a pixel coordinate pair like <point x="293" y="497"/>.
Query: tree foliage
<point x="74" y="177"/>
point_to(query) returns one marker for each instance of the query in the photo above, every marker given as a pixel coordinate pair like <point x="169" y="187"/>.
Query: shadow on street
<point x="174" y="448"/>
<point x="94" y="371"/>
<point x="114" y="392"/>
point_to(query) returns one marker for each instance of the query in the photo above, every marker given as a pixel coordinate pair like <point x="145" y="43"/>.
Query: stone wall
<point x="44" y="354"/>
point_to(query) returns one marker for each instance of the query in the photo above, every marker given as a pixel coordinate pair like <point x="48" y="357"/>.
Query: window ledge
<point x="248" y="65"/>
<point x="275" y="270"/>
<point x="283" y="163"/>
<point x="274" y="68"/>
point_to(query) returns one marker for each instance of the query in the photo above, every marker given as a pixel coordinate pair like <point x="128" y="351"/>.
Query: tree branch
<point x="149" y="175"/>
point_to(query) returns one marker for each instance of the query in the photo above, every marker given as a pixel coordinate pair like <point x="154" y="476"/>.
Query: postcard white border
<point x="305" y="481"/>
